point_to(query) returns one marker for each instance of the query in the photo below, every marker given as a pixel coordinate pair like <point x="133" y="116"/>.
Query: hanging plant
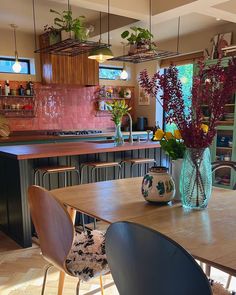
<point x="64" y="22"/>
<point x="139" y="38"/>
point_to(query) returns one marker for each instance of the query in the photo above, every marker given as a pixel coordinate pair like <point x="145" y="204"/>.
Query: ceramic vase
<point x="158" y="186"/>
<point x="196" y="178"/>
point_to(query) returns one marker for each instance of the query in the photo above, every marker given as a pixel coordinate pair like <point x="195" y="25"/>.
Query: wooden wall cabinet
<point x="73" y="70"/>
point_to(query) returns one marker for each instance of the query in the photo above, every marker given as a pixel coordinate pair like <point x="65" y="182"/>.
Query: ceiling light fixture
<point x="124" y="74"/>
<point x="16" y="66"/>
<point x="103" y="54"/>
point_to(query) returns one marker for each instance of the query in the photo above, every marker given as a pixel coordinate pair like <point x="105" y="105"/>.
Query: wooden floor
<point x="21" y="273"/>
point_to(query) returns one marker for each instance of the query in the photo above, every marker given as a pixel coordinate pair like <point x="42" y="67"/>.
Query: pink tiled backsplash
<point x="63" y="107"/>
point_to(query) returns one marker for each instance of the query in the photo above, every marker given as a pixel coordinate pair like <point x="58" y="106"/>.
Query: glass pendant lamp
<point x="102" y="54"/>
<point x="16" y="66"/>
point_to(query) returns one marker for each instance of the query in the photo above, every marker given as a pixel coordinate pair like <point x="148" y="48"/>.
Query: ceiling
<point x="196" y="15"/>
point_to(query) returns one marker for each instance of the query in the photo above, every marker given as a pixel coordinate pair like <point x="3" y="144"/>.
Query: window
<point x="109" y="73"/>
<point x="7" y="63"/>
<point x="186" y="77"/>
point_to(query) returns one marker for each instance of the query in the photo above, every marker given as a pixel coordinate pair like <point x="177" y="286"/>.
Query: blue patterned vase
<point x="158" y="186"/>
<point x="196" y="178"/>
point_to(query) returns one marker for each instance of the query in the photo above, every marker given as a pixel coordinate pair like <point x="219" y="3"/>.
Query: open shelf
<point x="71" y="47"/>
<point x="9" y="113"/>
<point x="16" y="96"/>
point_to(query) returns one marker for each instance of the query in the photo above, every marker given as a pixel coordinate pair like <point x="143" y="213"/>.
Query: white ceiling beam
<point x="125" y="8"/>
<point x="218" y="13"/>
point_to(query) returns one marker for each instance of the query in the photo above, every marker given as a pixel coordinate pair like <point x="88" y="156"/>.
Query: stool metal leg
<point x="82" y="173"/>
<point x="43" y="179"/>
<point x="35" y="176"/>
<point x="65" y="177"/>
<point x="93" y="174"/>
<point x="83" y="223"/>
<point x="119" y="171"/>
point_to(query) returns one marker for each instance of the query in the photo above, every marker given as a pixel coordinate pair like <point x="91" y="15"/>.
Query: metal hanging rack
<point x="147" y="54"/>
<point x="68" y="47"/>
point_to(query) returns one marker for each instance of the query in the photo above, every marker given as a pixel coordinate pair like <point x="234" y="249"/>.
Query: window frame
<point x="27" y="61"/>
<point x="109" y="68"/>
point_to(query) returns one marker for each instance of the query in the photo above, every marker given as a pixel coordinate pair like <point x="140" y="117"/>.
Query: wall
<point x="25" y="48"/>
<point x="61" y="107"/>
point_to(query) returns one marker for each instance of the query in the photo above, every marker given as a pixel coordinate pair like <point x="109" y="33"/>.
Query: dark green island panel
<point x="17" y="164"/>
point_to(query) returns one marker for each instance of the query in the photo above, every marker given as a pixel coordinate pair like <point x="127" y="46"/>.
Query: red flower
<point x="213" y="87"/>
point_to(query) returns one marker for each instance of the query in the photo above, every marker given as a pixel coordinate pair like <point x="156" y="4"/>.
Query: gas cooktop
<point x="74" y="132"/>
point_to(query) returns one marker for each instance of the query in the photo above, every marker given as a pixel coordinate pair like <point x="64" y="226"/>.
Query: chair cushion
<point x="218" y="289"/>
<point x="87" y="257"/>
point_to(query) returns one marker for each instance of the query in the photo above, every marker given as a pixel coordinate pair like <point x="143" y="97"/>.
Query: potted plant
<point x="73" y="28"/>
<point x="139" y="39"/>
<point x="52" y="36"/>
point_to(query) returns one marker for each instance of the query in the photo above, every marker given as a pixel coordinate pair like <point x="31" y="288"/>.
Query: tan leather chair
<point x="58" y="239"/>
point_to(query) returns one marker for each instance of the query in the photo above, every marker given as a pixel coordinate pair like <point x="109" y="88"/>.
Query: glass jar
<point x="196" y="178"/>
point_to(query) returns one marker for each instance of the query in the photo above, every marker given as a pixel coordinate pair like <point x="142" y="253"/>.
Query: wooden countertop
<point x="44" y="137"/>
<point x="33" y="151"/>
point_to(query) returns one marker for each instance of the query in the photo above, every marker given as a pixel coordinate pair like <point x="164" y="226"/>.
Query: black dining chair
<point x="144" y="261"/>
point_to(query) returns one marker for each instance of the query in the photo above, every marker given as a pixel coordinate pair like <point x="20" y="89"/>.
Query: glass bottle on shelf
<point x="21" y="90"/>
<point x="7" y="88"/>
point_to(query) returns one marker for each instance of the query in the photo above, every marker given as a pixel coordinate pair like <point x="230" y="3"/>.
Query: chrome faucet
<point x="130" y="128"/>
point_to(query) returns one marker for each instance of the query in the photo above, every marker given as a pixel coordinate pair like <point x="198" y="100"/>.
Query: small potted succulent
<point x="139" y="39"/>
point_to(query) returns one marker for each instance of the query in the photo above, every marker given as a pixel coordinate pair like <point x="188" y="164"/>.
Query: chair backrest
<point x="53" y="225"/>
<point x="224" y="164"/>
<point x="143" y="261"/>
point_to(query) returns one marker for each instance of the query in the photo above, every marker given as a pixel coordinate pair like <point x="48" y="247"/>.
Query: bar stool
<point x="47" y="170"/>
<point x="99" y="165"/>
<point x="94" y="166"/>
<point x="138" y="161"/>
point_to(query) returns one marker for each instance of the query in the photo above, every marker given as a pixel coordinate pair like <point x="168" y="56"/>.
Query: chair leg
<point x="228" y="282"/>
<point x="61" y="283"/>
<point x="45" y="278"/>
<point x="208" y="270"/>
<point x="77" y="288"/>
<point x="101" y="285"/>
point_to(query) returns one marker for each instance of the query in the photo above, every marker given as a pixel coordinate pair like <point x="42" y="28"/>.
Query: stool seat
<point x="56" y="169"/>
<point x="139" y="161"/>
<point x="102" y="164"/>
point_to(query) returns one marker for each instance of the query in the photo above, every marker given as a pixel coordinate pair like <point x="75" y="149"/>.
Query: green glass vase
<point x="196" y="178"/>
<point x="118" y="137"/>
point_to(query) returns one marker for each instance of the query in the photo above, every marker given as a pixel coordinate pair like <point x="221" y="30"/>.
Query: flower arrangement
<point x="118" y="108"/>
<point x="171" y="143"/>
<point x="213" y="87"/>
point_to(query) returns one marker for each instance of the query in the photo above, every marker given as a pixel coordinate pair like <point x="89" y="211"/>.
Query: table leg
<point x="72" y="213"/>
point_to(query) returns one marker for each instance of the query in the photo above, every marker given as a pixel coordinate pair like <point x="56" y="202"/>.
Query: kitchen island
<point x="17" y="164"/>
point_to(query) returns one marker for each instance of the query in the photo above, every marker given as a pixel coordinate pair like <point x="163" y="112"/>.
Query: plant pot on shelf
<point x="54" y="37"/>
<point x="67" y="35"/>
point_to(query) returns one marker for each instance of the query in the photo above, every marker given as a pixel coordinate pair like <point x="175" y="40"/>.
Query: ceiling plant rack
<point x="71" y="47"/>
<point x="148" y="50"/>
<point x="143" y="56"/>
<point x="68" y="47"/>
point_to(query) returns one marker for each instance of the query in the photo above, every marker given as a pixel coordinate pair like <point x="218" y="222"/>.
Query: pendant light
<point x="16" y="66"/>
<point x="124" y="73"/>
<point x="103" y="54"/>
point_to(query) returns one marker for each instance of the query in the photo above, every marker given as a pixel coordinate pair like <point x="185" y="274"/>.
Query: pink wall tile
<point x="63" y="107"/>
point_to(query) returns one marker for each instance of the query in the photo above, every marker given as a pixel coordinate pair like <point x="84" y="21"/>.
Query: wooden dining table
<point x="208" y="234"/>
